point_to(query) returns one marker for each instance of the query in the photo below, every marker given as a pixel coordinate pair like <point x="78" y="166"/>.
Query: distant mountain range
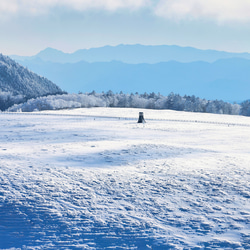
<point x="136" y="68"/>
<point x="133" y="54"/>
<point x="16" y="80"/>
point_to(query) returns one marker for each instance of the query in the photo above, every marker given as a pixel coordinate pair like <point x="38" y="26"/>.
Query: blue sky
<point x="29" y="26"/>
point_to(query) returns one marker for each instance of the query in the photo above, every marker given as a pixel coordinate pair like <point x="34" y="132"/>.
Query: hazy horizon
<point x="124" y="44"/>
<point x="27" y="28"/>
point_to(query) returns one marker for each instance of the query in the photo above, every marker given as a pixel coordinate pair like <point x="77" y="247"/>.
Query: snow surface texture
<point x="95" y="179"/>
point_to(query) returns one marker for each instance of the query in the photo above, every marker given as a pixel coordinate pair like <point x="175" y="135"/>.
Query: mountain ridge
<point x="133" y="54"/>
<point x="225" y="79"/>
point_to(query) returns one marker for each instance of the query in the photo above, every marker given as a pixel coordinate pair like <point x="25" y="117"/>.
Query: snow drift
<point x="95" y="179"/>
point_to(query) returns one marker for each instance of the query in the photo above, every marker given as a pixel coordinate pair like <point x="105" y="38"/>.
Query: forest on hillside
<point x="18" y="84"/>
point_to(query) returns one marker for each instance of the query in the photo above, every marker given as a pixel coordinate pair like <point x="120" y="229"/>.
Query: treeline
<point x="144" y="101"/>
<point x="8" y="99"/>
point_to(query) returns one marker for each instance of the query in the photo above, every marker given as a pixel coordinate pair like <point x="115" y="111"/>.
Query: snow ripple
<point x="88" y="184"/>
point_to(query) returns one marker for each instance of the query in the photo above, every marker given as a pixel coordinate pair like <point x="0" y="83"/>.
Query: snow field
<point x="74" y="180"/>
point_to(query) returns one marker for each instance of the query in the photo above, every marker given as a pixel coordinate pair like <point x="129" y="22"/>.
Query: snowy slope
<point x="16" y="80"/>
<point x="95" y="179"/>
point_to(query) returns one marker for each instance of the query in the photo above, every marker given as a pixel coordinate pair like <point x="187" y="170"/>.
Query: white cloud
<point x="110" y="5"/>
<point x="8" y="6"/>
<point x="43" y="6"/>
<point x="217" y="10"/>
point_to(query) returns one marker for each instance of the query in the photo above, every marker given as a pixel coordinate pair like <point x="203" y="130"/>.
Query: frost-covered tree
<point x="7" y="99"/>
<point x="145" y="101"/>
<point x="245" y="108"/>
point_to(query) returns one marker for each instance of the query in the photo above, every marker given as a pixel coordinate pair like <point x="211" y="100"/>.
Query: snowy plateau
<point x="96" y="179"/>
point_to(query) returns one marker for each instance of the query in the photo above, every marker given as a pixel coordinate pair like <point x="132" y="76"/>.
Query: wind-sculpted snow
<point x="73" y="181"/>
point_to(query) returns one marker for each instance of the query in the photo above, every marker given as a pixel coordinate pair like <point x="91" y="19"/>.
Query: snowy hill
<point x="96" y="179"/>
<point x="15" y="80"/>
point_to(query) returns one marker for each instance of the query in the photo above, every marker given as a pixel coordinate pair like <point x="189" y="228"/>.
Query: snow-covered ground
<point x="95" y="179"/>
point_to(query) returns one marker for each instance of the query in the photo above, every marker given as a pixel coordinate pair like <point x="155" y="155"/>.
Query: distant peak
<point x="49" y="50"/>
